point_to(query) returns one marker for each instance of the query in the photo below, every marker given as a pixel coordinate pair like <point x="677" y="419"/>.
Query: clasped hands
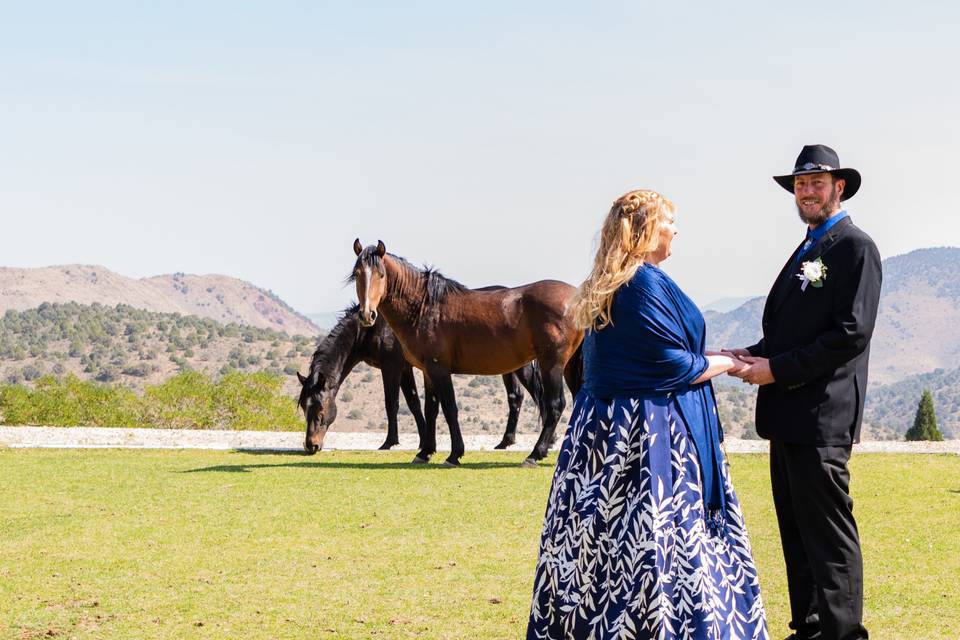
<point x="750" y="369"/>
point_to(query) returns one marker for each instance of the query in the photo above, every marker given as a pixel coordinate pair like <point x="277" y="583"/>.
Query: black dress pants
<point x="821" y="546"/>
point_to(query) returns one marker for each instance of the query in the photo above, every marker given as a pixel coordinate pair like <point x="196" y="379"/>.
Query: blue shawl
<point x="654" y="347"/>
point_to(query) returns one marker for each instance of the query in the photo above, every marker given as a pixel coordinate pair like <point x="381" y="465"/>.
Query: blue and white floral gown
<point x="630" y="547"/>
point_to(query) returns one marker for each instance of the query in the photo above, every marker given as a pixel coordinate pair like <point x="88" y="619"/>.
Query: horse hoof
<point x="451" y="464"/>
<point x="419" y="460"/>
<point x="529" y="463"/>
<point x="386" y="446"/>
<point x="504" y="444"/>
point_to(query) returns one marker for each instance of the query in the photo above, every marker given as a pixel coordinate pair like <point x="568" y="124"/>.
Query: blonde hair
<point x="629" y="233"/>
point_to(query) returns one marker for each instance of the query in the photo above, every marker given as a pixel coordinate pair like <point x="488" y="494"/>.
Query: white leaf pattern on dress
<point x="625" y="552"/>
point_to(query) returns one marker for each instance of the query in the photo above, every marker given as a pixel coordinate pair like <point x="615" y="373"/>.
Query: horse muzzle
<point x="314" y="441"/>
<point x="368" y="318"/>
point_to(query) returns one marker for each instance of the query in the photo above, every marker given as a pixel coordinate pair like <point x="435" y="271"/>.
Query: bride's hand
<point x="738" y="365"/>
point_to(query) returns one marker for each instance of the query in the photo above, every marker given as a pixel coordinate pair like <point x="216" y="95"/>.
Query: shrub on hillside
<point x="189" y="400"/>
<point x="184" y="401"/>
<point x="254" y="401"/>
<point x="67" y="402"/>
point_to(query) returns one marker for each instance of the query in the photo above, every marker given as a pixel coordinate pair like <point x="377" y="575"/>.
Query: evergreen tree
<point x="925" y="423"/>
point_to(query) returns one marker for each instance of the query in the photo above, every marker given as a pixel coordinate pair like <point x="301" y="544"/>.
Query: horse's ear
<point x="303" y="381"/>
<point x="381" y="248"/>
<point x="357" y="247"/>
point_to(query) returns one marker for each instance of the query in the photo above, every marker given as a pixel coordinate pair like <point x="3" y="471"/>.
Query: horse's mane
<point x="334" y="345"/>
<point x="436" y="285"/>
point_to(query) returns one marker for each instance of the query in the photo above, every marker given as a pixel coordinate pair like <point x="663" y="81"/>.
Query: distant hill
<point x="217" y="297"/>
<point x="723" y="305"/>
<point x="918" y="324"/>
<point x="134" y="347"/>
<point x="737" y="328"/>
<point x="916" y="346"/>
<point x="893" y="406"/>
<point x="125" y="346"/>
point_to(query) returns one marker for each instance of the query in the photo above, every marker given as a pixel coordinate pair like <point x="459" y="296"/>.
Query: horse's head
<point x="319" y="405"/>
<point x="371" y="278"/>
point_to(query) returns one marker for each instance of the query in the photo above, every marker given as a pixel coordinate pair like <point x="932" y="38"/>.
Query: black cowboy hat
<point x="819" y="158"/>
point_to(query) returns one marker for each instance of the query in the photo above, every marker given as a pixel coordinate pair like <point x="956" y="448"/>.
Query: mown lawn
<point x="187" y="544"/>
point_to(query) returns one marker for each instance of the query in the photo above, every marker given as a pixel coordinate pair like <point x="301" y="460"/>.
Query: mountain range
<point x="915" y="346"/>
<point x="221" y="298"/>
<point x="918" y="322"/>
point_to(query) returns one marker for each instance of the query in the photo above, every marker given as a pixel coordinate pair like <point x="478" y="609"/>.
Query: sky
<point x="258" y="139"/>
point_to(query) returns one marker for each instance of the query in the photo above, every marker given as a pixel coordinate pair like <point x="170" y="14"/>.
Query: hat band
<point x="812" y="165"/>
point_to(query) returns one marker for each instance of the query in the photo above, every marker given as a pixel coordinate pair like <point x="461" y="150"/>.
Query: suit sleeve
<point x="855" y="314"/>
<point x="756" y="350"/>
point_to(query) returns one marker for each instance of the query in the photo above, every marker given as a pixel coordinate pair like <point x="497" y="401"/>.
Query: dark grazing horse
<point x="446" y="328"/>
<point x="349" y="343"/>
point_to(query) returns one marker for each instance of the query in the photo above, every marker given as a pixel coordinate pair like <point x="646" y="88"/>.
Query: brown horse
<point x="446" y="328"/>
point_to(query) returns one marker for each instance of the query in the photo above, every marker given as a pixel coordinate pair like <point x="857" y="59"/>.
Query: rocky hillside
<point x="893" y="406"/>
<point x="125" y="346"/>
<point x="133" y="347"/>
<point x="221" y="298"/>
<point x="916" y="346"/>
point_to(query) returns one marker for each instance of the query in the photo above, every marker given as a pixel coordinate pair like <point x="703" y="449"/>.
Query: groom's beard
<point x="825" y="212"/>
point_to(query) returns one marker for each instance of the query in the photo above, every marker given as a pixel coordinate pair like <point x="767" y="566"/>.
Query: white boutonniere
<point x="813" y="274"/>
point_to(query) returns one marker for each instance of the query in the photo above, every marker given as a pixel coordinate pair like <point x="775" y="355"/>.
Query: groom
<point x="811" y="366"/>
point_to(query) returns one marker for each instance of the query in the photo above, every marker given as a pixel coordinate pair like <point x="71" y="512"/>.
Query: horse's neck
<point x="405" y="293"/>
<point x="341" y="351"/>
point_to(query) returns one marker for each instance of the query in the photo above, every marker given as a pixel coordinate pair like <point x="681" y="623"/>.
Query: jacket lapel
<point x="781" y="286"/>
<point x="828" y="240"/>
<point x="787" y="282"/>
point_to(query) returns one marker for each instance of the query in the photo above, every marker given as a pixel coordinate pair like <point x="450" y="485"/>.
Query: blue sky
<point x="259" y="139"/>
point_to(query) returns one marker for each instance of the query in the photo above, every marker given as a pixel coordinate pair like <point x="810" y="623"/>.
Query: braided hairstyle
<point x="629" y="233"/>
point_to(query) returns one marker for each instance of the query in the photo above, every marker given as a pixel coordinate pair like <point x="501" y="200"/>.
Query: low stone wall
<point x="100" y="437"/>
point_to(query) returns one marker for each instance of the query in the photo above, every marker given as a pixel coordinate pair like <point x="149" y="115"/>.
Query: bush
<point x="68" y="402"/>
<point x="31" y="372"/>
<point x="189" y="400"/>
<point x="140" y="370"/>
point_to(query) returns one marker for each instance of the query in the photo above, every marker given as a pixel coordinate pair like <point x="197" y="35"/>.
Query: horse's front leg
<point x="443" y="387"/>
<point x="431" y="407"/>
<point x="408" y="385"/>
<point x="391" y="404"/>
<point x="553" y="404"/>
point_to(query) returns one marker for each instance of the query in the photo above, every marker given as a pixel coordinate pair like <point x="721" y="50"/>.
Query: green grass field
<point x="187" y="544"/>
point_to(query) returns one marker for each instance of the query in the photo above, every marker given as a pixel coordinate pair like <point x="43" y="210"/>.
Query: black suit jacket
<point x="818" y="343"/>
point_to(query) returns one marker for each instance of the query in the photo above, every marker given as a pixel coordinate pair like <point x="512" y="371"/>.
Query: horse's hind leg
<point x="514" y="400"/>
<point x="431" y="407"/>
<point x="552" y="408"/>
<point x="391" y="403"/>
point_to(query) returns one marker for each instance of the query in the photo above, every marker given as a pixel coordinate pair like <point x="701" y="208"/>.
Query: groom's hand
<point x="735" y="353"/>
<point x="757" y="371"/>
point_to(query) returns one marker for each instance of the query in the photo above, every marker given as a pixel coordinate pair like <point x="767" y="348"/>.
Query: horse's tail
<point x="533" y="382"/>
<point x="573" y="372"/>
